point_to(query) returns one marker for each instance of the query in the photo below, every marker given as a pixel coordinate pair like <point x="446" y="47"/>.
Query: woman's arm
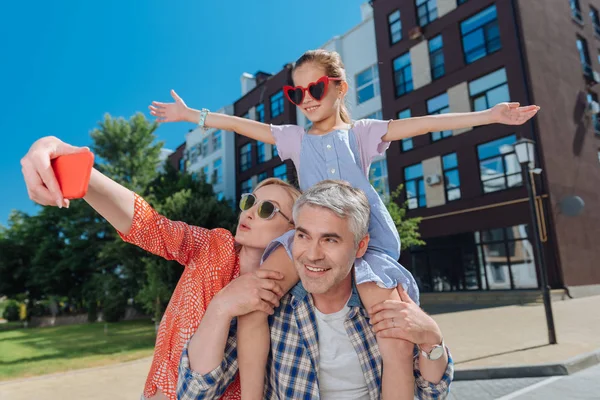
<point x="134" y="219"/>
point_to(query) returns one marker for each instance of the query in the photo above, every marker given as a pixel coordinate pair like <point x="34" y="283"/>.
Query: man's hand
<point x="404" y="320"/>
<point x="254" y="291"/>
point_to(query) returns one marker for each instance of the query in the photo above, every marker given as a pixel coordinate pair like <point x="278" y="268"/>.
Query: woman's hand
<point x="41" y="183"/>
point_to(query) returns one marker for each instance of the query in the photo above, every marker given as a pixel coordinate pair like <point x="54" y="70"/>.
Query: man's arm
<point x="427" y="389"/>
<point x="192" y="385"/>
<point x="209" y="362"/>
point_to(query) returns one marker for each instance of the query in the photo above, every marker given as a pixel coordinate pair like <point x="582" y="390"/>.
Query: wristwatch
<point x="435" y="353"/>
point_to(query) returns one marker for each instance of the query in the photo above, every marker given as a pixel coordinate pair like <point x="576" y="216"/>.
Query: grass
<point x="40" y="351"/>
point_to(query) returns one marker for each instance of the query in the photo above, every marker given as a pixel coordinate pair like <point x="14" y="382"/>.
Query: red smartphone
<point x="73" y="173"/>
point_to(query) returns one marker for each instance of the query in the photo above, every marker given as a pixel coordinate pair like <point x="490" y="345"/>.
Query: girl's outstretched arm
<point x="502" y="113"/>
<point x="179" y="111"/>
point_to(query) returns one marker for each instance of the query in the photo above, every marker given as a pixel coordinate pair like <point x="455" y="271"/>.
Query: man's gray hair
<point x="344" y="200"/>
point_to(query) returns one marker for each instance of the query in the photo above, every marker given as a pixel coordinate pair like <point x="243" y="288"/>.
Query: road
<point x="582" y="385"/>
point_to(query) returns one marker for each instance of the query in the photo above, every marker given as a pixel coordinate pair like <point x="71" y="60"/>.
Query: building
<point x="177" y="158"/>
<point x="163" y="157"/>
<point x="262" y="100"/>
<point x="209" y="155"/>
<point x="439" y="56"/>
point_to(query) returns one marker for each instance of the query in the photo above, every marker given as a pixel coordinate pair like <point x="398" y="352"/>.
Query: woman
<point x="212" y="258"/>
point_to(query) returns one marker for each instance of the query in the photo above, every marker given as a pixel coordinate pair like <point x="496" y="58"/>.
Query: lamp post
<point x="525" y="150"/>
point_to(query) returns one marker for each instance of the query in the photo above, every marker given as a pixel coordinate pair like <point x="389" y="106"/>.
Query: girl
<point x="212" y="258"/>
<point x="336" y="148"/>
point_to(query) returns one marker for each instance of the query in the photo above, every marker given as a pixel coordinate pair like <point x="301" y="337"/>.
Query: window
<point x="205" y="146"/>
<point x="403" y="75"/>
<point x="260" y="113"/>
<point x="367" y="84"/>
<point x="246" y="157"/>
<point x="378" y="176"/>
<point x="584" y="56"/>
<point x="480" y="35"/>
<point x="595" y="120"/>
<point x="217" y="140"/>
<point x="274" y="152"/>
<point x="461" y="2"/>
<point x="205" y="174"/>
<point x="247" y="115"/>
<point x="489" y="90"/>
<point x="436" y="57"/>
<point x="276" y="104"/>
<point x="451" y="178"/>
<point x="246" y="186"/>
<point x="219" y="196"/>
<point x="395" y="27"/>
<point x="576" y="10"/>
<point x="435" y="106"/>
<point x="595" y="17"/>
<point x="426" y="11"/>
<point x="498" y="165"/>
<point x="415" y="186"/>
<point x="262" y="176"/>
<point x="194" y="153"/>
<point x="407" y="144"/>
<point x="506" y="259"/>
<point x="280" y="172"/>
<point x="260" y="150"/>
<point x="375" y="115"/>
<point x="182" y="164"/>
<point x="217" y="172"/>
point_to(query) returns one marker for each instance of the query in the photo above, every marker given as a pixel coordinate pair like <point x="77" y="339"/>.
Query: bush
<point x="12" y="311"/>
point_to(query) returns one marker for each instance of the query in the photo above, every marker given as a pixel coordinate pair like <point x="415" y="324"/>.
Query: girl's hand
<point x="169" y="112"/>
<point x="512" y="113"/>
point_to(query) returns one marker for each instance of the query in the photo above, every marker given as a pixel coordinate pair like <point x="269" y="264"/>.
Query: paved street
<point x="579" y="386"/>
<point x="501" y="336"/>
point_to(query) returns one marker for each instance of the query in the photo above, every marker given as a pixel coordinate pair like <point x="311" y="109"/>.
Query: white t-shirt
<point x="340" y="374"/>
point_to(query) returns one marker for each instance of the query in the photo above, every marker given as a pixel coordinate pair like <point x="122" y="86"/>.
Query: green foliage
<point x="408" y="228"/>
<point x="11" y="312"/>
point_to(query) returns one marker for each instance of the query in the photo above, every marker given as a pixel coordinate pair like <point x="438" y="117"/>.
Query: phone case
<point x="73" y="173"/>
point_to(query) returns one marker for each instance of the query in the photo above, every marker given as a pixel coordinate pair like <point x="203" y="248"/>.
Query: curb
<point x="567" y="367"/>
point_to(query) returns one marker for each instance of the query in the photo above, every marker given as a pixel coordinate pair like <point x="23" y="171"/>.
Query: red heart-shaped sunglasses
<point x="317" y="90"/>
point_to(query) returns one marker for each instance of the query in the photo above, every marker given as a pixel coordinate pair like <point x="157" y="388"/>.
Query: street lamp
<point x="525" y="150"/>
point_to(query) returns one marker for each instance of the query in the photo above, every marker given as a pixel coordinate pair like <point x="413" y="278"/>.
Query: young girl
<point x="336" y="148"/>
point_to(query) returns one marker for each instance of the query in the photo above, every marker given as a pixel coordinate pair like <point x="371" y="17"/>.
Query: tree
<point x="408" y="228"/>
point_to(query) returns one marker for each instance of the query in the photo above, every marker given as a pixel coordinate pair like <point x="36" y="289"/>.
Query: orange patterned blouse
<point x="210" y="262"/>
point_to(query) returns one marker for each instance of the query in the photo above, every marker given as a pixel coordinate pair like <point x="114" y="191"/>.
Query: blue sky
<point x="65" y="64"/>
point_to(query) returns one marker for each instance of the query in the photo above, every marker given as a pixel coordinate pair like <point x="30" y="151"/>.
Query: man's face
<point x="324" y="249"/>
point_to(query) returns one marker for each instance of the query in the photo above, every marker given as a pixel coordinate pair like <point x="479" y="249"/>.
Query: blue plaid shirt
<point x="293" y="365"/>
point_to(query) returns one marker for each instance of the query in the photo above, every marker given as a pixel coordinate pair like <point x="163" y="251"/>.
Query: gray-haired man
<point x="322" y="341"/>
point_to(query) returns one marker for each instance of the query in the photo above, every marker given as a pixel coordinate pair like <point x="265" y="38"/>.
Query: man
<point x="322" y="341"/>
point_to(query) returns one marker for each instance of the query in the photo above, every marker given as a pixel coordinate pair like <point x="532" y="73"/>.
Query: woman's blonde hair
<point x="334" y="68"/>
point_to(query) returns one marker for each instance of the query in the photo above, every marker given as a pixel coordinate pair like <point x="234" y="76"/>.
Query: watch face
<point x="436" y="353"/>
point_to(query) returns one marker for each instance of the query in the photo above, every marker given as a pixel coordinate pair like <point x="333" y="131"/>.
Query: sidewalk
<point x="493" y="337"/>
<point x="517" y="335"/>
